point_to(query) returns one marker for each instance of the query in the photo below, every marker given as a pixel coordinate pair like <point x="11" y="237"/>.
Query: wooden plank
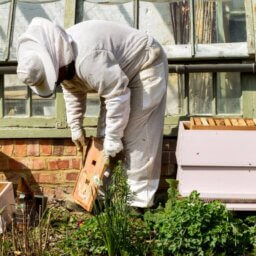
<point x="197" y="121"/>
<point x="249" y="122"/>
<point x="192" y="123"/>
<point x="241" y="122"/>
<point x="211" y="121"/>
<point x="90" y="177"/>
<point x="249" y="26"/>
<point x="69" y="13"/>
<point x="232" y="128"/>
<point x="219" y="121"/>
<point x="204" y="121"/>
<point x="234" y="122"/>
<point x="186" y="125"/>
<point x="227" y="122"/>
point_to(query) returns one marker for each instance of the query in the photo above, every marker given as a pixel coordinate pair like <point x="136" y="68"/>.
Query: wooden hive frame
<point x="227" y="123"/>
<point x="91" y="175"/>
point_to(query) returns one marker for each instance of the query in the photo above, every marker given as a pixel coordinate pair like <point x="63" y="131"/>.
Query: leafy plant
<point x="122" y="234"/>
<point x="191" y="227"/>
<point x="85" y="240"/>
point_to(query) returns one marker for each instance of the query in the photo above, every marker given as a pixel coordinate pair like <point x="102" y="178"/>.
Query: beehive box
<point x="218" y="160"/>
<point x="90" y="176"/>
<point x="7" y="204"/>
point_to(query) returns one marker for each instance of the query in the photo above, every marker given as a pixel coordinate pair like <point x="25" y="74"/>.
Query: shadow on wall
<point x="12" y="169"/>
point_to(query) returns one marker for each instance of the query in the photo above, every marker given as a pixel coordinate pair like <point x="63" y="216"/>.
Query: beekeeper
<point x="126" y="67"/>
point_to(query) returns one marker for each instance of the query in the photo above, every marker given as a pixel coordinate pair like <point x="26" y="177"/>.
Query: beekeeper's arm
<point x="103" y="73"/>
<point x="75" y="107"/>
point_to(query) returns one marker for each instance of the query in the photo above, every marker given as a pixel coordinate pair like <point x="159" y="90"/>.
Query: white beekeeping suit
<point x="128" y="69"/>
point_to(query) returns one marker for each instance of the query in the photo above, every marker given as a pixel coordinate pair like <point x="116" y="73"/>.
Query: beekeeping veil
<point x="42" y="50"/>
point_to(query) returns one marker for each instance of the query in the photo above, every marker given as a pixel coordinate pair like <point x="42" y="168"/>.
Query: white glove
<point x="112" y="146"/>
<point x="78" y="138"/>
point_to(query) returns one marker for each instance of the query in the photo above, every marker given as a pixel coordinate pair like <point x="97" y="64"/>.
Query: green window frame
<point x="30" y="127"/>
<point x="40" y="126"/>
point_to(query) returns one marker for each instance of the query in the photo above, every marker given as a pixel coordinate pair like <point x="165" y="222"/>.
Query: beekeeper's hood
<point x="42" y="50"/>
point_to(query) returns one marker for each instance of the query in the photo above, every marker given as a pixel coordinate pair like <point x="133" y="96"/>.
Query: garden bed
<point x="183" y="226"/>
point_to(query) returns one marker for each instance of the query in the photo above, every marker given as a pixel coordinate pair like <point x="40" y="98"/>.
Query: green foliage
<point x="86" y="240"/>
<point x="122" y="234"/>
<point x="191" y="227"/>
<point x="113" y="230"/>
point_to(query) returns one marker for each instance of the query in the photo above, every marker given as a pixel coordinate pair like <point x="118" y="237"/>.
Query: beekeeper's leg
<point x="144" y="132"/>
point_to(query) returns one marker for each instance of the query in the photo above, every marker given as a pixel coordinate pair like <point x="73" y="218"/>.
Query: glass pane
<point x="25" y="12"/>
<point x="92" y="105"/>
<point x="121" y="13"/>
<point x="220" y="21"/>
<point x="15" y="96"/>
<point x="200" y="93"/>
<point x="4" y="12"/>
<point x="168" y="22"/>
<point x="228" y="93"/>
<point x="175" y="95"/>
<point x="42" y="106"/>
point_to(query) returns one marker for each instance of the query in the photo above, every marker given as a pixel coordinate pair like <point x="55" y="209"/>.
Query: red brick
<point x="2" y="177"/>
<point x="50" y="178"/>
<point x="19" y="164"/>
<point x="4" y="164"/>
<point x="58" y="164"/>
<point x="39" y="164"/>
<point x="69" y="148"/>
<point x="49" y="192"/>
<point x="7" y="147"/>
<point x="45" y="147"/>
<point x="169" y="144"/>
<point x="165" y="157"/>
<point x="72" y="176"/>
<point x="76" y="163"/>
<point x="14" y="176"/>
<point x="36" y="189"/>
<point x="173" y="158"/>
<point x="163" y="184"/>
<point x="168" y="170"/>
<point x="33" y="149"/>
<point x="34" y="178"/>
<point x="20" y="148"/>
<point x="58" y="147"/>
<point x="60" y="192"/>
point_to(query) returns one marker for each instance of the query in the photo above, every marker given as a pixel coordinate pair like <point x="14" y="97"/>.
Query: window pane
<point x="228" y="93"/>
<point x="4" y="12"/>
<point x="92" y="105"/>
<point x="175" y="95"/>
<point x="220" y="21"/>
<point x="121" y="13"/>
<point x="200" y="93"/>
<point x="168" y="22"/>
<point x="15" y="95"/>
<point x="25" y="12"/>
<point x="42" y="106"/>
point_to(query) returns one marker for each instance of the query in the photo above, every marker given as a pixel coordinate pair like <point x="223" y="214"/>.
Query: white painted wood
<point x="6" y="200"/>
<point x="249" y="26"/>
<point x="217" y="148"/>
<point x="219" y="165"/>
<point x="203" y="51"/>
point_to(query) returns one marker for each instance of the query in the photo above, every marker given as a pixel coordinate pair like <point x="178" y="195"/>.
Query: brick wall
<point x="51" y="166"/>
